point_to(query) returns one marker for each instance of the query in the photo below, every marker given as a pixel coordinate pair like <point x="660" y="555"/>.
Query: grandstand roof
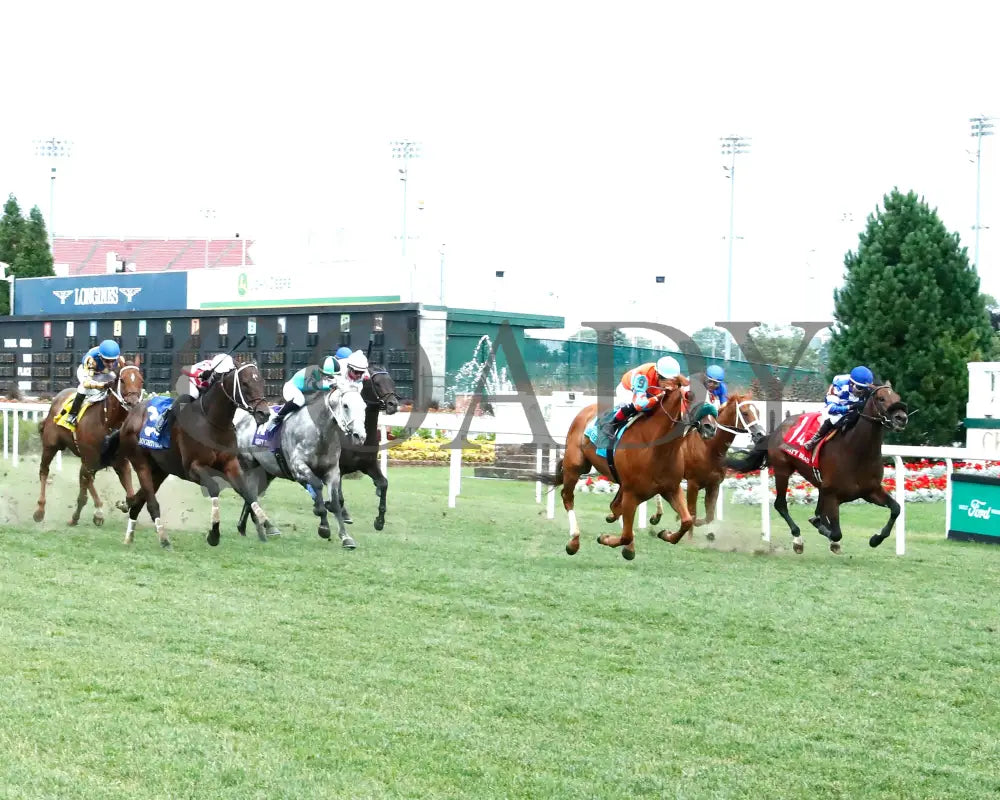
<point x="90" y="256"/>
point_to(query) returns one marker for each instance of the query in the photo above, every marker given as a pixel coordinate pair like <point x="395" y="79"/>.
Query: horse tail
<point x="109" y="448"/>
<point x="755" y="459"/>
<point x="547" y="478"/>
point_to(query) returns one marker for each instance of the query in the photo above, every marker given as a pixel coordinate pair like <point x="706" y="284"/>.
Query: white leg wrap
<point x="158" y="524"/>
<point x="215" y="510"/>
<point x="574" y="529"/>
<point x="258" y="512"/>
<point x="131" y="527"/>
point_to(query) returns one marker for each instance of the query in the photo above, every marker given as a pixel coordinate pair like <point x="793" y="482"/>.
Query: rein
<point x="740" y="419"/>
<point x="883" y="418"/>
<point x="241" y="402"/>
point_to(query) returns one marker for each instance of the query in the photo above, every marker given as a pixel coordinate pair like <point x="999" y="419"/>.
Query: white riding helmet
<point x="667" y="367"/>
<point x="358" y="361"/>
<point x="222" y="363"/>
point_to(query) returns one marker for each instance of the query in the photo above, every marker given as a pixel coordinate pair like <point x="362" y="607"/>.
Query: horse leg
<point x="571" y="474"/>
<point x="344" y="513"/>
<point x="334" y="487"/>
<point x="711" y="499"/>
<point x="692" y="502"/>
<point x="98" y="505"/>
<point x="655" y="519"/>
<point x="781" y="506"/>
<point x="237" y="479"/>
<point x="81" y="498"/>
<point x="832" y="514"/>
<point x="121" y="466"/>
<point x="628" y="504"/>
<point x="615" y="507"/>
<point x="48" y="453"/>
<point x="381" y="488"/>
<point x="241" y="526"/>
<point x="881" y="497"/>
<point x="678" y="503"/>
<point x="136" y="506"/>
<point x="149" y="482"/>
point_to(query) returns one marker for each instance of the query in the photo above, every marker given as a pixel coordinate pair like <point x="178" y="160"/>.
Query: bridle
<point x="380" y="400"/>
<point x="337" y="410"/>
<point x="237" y="398"/>
<point x="117" y="392"/>
<point x="883" y="417"/>
<point x="743" y="426"/>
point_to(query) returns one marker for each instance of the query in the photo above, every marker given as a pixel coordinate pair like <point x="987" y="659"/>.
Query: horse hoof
<point x="655" y="519"/>
<point x="39" y="515"/>
<point x="348" y="520"/>
<point x="122" y="506"/>
<point x="835" y="548"/>
<point x="213" y="540"/>
<point x="836" y="536"/>
<point x="876" y="540"/>
<point x="798" y="547"/>
<point x="710" y="536"/>
<point x="627" y="554"/>
<point x="165" y="544"/>
<point x="242" y="531"/>
<point x="348" y="543"/>
<point x="98" y="520"/>
<point x="272" y="531"/>
<point x="573" y="546"/>
<point x="611" y="518"/>
<point x="379" y="523"/>
<point x="73" y="523"/>
<point x="324" y="531"/>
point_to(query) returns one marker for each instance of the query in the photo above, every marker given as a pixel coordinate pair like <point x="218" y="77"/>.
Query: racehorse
<point x="379" y="393"/>
<point x="850" y="467"/>
<point x="101" y="417"/>
<point x="202" y="449"/>
<point x="649" y="461"/>
<point x="704" y="461"/>
<point x="309" y="452"/>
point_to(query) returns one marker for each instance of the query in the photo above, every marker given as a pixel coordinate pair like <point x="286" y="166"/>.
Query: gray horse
<point x="310" y="451"/>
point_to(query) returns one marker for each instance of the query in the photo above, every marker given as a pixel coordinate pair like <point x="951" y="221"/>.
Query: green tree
<point x="911" y="309"/>
<point x="24" y="246"/>
<point x="780" y="346"/>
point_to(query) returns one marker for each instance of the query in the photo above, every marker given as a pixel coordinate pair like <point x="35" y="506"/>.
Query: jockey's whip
<point x="210" y="373"/>
<point x="371" y="341"/>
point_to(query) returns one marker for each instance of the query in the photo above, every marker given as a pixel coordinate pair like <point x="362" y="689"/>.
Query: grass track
<point x="461" y="653"/>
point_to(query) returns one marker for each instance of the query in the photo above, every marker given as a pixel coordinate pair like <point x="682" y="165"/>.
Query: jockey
<point x="846" y="393"/>
<point x="95" y="372"/>
<point x="354" y="368"/>
<point x="306" y="381"/>
<point x="715" y="383"/>
<point x="342" y="352"/>
<point x="636" y="391"/>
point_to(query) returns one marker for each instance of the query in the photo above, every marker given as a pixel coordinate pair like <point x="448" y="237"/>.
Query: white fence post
<point x="765" y="506"/>
<point x="454" y="476"/>
<point x="947" y="496"/>
<point x="538" y="469"/>
<point x="901" y="499"/>
<point x="5" y="434"/>
<point x="550" y="504"/>
<point x="15" y="458"/>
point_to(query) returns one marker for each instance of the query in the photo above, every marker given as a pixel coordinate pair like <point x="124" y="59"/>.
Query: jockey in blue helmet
<point x="96" y="371"/>
<point x="715" y="383"/>
<point x="846" y="393"/>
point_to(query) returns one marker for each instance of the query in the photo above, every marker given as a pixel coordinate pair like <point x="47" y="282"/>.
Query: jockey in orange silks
<point x="637" y="391"/>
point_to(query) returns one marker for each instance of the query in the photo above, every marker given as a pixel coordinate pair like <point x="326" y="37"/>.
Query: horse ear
<point x="138" y="359"/>
<point x="888" y="384"/>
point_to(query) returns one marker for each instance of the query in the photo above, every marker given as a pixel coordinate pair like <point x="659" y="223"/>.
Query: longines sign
<point x="153" y="291"/>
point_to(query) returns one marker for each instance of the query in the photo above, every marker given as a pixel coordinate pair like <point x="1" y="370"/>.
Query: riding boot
<point x="824" y="429"/>
<point x="283" y="412"/>
<point x="75" y="409"/>
<point x="622" y="415"/>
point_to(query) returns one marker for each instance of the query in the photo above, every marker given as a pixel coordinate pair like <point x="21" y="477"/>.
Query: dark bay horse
<point x="379" y="393"/>
<point x="100" y="419"/>
<point x="202" y="449"/>
<point x="649" y="461"/>
<point x="850" y="467"/>
<point x="705" y="461"/>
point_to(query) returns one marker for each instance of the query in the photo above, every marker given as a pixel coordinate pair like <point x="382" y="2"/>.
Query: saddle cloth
<point x="797" y="436"/>
<point x="148" y="436"/>
<point x="60" y="418"/>
<point x="593" y="431"/>
<point x="270" y="439"/>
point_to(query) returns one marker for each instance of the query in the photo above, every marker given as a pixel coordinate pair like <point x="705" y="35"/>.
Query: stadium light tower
<point x="53" y="149"/>
<point x="405" y="149"/>
<point x="732" y="146"/>
<point x="981" y="126"/>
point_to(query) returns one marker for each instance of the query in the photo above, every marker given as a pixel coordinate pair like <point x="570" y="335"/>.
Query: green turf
<point x="461" y="653"/>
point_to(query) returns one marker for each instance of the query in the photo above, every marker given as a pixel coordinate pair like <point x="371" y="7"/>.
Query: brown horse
<point x="704" y="461"/>
<point x="850" y="467"/>
<point x="202" y="449"/>
<point x="100" y="419"/>
<point x="649" y="461"/>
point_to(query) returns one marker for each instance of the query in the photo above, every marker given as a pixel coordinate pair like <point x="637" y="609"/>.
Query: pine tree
<point x="24" y="246"/>
<point x="910" y="308"/>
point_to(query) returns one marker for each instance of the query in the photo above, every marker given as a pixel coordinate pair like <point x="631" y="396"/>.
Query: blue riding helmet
<point x="109" y="350"/>
<point x="716" y="373"/>
<point x="343" y="352"/>
<point x="862" y="376"/>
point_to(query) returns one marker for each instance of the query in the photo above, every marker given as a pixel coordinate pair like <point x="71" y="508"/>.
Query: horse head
<point x="886" y="407"/>
<point x="348" y="409"/>
<point x="379" y="389"/>
<point x="676" y="391"/>
<point x="245" y="388"/>
<point x="740" y="415"/>
<point x="129" y="386"/>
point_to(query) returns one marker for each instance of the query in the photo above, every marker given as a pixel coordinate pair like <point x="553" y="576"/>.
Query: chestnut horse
<point x="850" y="467"/>
<point x="704" y="461"/>
<point x="649" y="461"/>
<point x="202" y="449"/>
<point x="100" y="419"/>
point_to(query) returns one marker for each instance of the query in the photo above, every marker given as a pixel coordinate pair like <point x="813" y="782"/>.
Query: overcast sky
<point x="573" y="145"/>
